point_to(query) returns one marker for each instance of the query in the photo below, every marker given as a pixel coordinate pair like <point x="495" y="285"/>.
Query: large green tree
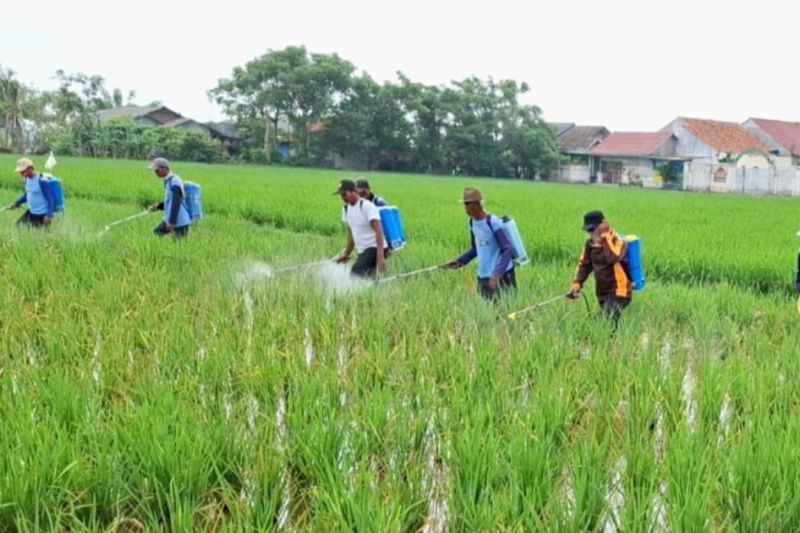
<point x="369" y="124"/>
<point x="489" y="133"/>
<point x="294" y="84"/>
<point x="427" y="112"/>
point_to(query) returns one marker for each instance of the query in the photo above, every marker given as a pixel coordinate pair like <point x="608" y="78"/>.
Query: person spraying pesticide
<point x="604" y="253"/>
<point x="177" y="218"/>
<point x="364" y="232"/>
<point x="38" y="195"/>
<point x="491" y="244"/>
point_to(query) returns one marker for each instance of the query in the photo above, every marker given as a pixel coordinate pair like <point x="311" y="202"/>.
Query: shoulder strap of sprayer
<point x="42" y="178"/>
<point x="360" y="206"/>
<point x="185" y="200"/>
<point x="488" y="223"/>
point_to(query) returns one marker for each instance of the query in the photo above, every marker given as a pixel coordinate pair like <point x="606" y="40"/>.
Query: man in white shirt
<point x="364" y="232"/>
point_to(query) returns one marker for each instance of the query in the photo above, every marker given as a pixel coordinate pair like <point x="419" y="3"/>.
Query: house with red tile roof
<point x="715" y="141"/>
<point x="783" y="138"/>
<point x="638" y="158"/>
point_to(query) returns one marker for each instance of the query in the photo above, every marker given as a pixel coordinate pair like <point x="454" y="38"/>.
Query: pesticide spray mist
<point x="336" y="278"/>
<point x="253" y="272"/>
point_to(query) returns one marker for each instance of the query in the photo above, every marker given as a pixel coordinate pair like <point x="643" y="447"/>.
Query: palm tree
<point x="12" y="97"/>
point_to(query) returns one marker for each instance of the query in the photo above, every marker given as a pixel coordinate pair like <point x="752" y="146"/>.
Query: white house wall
<point x="573" y="173"/>
<point x="753" y="161"/>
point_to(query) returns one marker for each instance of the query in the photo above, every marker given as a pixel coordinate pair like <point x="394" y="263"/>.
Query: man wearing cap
<point x="362" y="186"/>
<point x="605" y="254"/>
<point x="491" y="245"/>
<point x="38" y="196"/>
<point x="364" y="232"/>
<point x="176" y="215"/>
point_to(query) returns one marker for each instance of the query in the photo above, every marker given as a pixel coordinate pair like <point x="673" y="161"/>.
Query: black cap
<point x="362" y="184"/>
<point x="344" y="186"/>
<point x="592" y="219"/>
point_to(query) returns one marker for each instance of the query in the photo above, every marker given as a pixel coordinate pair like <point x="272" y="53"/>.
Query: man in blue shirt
<point x="491" y="245"/>
<point x="362" y="186"/>
<point x="176" y="215"/>
<point x="37" y="195"/>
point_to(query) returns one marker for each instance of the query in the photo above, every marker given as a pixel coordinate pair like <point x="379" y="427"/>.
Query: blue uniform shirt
<point x="38" y="196"/>
<point x="183" y="214"/>
<point x="493" y="249"/>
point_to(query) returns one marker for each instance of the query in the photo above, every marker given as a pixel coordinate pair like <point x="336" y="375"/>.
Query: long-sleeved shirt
<point x="176" y="213"/>
<point x="38" y="196"/>
<point x="491" y="245"/>
<point x="606" y="259"/>
<point x="377" y="200"/>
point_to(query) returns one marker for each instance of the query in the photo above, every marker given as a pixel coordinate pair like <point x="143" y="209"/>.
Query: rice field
<point x="147" y="384"/>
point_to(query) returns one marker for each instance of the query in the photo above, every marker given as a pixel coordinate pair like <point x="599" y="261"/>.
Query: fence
<point x="573" y="173"/>
<point x="729" y="178"/>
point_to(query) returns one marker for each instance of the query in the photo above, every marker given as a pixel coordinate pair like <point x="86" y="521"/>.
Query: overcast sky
<point x="630" y="65"/>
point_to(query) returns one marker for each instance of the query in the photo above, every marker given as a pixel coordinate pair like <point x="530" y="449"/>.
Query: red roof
<point x="723" y="136"/>
<point x="787" y="134"/>
<point x="632" y="144"/>
<point x="315" y="127"/>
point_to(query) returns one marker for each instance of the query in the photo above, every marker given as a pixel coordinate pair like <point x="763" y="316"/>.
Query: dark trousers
<point x="611" y="306"/>
<point x="366" y="265"/>
<point x="179" y="233"/>
<point x="507" y="281"/>
<point x="797" y="275"/>
<point x="30" y="220"/>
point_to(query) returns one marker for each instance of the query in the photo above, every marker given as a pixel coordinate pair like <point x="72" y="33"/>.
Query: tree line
<point x="66" y="120"/>
<point x="317" y="109"/>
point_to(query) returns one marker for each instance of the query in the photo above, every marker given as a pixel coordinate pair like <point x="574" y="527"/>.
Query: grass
<point x="142" y="387"/>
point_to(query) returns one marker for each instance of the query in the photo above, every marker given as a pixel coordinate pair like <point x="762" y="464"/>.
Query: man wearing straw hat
<point x="38" y="196"/>
<point x="491" y="245"/>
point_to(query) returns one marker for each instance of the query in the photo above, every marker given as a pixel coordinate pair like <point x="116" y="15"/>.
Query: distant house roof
<point x="137" y="111"/>
<point x="315" y="127"/>
<point x="127" y="111"/>
<point x="178" y="122"/>
<point x="582" y="139"/>
<point x="560" y="127"/>
<point x="631" y="144"/>
<point x="787" y="134"/>
<point x="226" y="128"/>
<point x="723" y="136"/>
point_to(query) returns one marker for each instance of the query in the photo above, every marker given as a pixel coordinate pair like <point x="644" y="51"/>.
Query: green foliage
<point x="472" y="127"/>
<point x="292" y="85"/>
<point x="670" y="173"/>
<point x="145" y="385"/>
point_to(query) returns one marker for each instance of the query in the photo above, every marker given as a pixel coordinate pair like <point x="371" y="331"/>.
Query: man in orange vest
<point x="606" y="254"/>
